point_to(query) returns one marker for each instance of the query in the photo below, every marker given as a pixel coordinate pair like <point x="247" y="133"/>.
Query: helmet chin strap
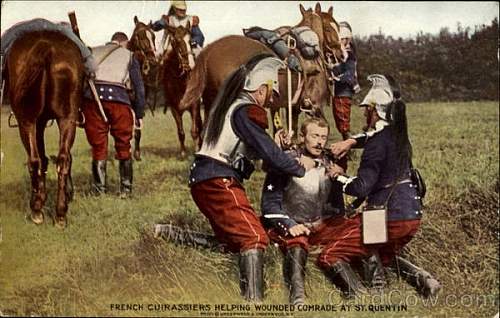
<point x="269" y="91"/>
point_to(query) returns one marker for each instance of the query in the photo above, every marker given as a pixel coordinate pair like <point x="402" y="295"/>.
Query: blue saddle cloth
<point x="19" y="29"/>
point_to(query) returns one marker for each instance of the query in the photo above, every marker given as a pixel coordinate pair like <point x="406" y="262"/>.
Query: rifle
<point x="76" y="31"/>
<point x="74" y="23"/>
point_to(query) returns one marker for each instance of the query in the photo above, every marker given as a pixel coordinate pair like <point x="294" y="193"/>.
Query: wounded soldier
<point x="302" y="212"/>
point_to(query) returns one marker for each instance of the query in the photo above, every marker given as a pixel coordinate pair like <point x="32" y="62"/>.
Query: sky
<point x="98" y="20"/>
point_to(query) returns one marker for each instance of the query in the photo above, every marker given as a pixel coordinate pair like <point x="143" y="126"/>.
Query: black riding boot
<point x="252" y="275"/>
<point x="99" y="177"/>
<point x="342" y="276"/>
<point x="294" y="268"/>
<point x="374" y="275"/>
<point x="424" y="283"/>
<point x="126" y="178"/>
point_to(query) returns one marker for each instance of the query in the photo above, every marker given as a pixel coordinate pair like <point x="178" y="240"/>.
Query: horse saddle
<point x="302" y="38"/>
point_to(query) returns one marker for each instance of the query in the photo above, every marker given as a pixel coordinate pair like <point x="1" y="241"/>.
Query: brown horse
<point x="177" y="63"/>
<point x="223" y="56"/>
<point x="46" y="74"/>
<point x="173" y="72"/>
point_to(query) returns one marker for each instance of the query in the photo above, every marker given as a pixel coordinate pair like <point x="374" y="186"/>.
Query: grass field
<point x="107" y="254"/>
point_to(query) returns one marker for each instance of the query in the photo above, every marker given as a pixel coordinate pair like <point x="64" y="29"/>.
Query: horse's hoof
<point x="182" y="155"/>
<point x="37" y="217"/>
<point x="60" y="222"/>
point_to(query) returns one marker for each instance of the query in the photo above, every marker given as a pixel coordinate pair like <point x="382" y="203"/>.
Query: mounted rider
<point x="177" y="17"/>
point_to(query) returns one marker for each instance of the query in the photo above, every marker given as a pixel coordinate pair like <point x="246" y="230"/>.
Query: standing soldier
<point x="235" y="134"/>
<point x="346" y="82"/>
<point x="118" y="73"/>
<point x="177" y="17"/>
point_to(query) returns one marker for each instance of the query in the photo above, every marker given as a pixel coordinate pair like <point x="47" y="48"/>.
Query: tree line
<point x="450" y="66"/>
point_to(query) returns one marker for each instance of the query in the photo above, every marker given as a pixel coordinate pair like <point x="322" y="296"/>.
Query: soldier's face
<point x="263" y="96"/>
<point x="180" y="13"/>
<point x="315" y="139"/>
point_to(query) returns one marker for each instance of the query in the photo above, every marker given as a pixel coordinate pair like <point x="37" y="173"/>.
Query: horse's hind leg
<point x="64" y="191"/>
<point x="28" y="133"/>
<point x="196" y="125"/>
<point x="180" y="130"/>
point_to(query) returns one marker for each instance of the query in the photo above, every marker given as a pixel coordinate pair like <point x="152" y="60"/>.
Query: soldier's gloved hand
<point x="294" y="63"/>
<point x="298" y="229"/>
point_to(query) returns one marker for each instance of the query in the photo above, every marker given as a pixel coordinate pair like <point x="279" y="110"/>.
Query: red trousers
<point x="400" y="233"/>
<point x="224" y="202"/>
<point x="342" y="113"/>
<point x="120" y="125"/>
<point x="340" y="239"/>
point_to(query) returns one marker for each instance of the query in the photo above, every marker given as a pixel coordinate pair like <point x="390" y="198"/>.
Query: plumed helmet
<point x="179" y="4"/>
<point x="379" y="96"/>
<point x="345" y="30"/>
<point x="264" y="72"/>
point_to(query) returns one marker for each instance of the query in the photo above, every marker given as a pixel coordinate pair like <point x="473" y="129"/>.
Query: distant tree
<point x="449" y="66"/>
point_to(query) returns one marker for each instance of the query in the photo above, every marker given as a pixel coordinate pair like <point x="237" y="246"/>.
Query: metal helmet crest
<point x="345" y="30"/>
<point x="264" y="72"/>
<point x="379" y="96"/>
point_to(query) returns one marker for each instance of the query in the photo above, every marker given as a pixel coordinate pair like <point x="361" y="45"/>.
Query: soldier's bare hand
<point x="299" y="229"/>
<point x="334" y="170"/>
<point x="340" y="149"/>
<point x="307" y="162"/>
<point x="283" y="139"/>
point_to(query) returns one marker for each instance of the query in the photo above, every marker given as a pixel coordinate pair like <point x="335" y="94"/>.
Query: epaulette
<point x="258" y="115"/>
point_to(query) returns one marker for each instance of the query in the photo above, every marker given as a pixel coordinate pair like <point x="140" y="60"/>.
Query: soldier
<point x="177" y="17"/>
<point x="118" y="73"/>
<point x="235" y="134"/>
<point x="301" y="212"/>
<point x="346" y="83"/>
<point x="384" y="177"/>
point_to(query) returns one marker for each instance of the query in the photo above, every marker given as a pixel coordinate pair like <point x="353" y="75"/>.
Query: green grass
<point x="107" y="254"/>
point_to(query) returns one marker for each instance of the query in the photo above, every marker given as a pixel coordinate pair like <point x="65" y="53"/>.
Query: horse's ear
<point x="135" y="19"/>
<point x="317" y="8"/>
<point x="188" y="26"/>
<point x="302" y="10"/>
<point x="150" y="23"/>
<point x="330" y="11"/>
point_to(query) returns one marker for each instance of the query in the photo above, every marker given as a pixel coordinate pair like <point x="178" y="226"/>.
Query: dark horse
<point x="175" y="68"/>
<point x="46" y="75"/>
<point x="222" y="57"/>
<point x="142" y="44"/>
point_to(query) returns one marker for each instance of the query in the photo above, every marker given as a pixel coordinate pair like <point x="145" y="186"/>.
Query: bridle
<point x="181" y="52"/>
<point x="142" y="47"/>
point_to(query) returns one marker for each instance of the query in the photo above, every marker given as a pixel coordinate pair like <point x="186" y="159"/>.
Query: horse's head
<point x="312" y="20"/>
<point x="332" y="44"/>
<point x="180" y="44"/>
<point x="315" y="87"/>
<point x="142" y="43"/>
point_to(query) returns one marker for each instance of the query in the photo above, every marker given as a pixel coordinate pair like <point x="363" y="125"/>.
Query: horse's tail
<point x="31" y="71"/>
<point x="196" y="83"/>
